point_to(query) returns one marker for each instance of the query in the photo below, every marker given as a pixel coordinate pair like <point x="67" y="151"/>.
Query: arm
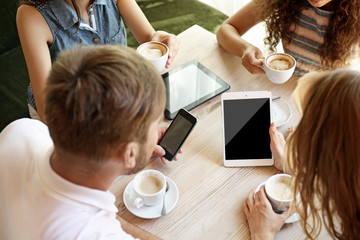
<point x="142" y="29"/>
<point x="136" y="20"/>
<point x="136" y="231"/>
<point x="277" y="146"/>
<point x="35" y="35"/>
<point x="230" y="32"/>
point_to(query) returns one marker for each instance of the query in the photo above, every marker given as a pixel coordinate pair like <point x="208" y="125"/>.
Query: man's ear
<point x="130" y="154"/>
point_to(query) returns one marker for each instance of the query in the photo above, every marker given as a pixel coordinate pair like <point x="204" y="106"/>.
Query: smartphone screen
<point x="177" y="132"/>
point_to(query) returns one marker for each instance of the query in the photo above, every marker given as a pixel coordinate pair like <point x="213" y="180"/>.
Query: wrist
<point x="278" y="164"/>
<point x="245" y="48"/>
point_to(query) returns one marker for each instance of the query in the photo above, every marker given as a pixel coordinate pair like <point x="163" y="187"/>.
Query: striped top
<point x="307" y="36"/>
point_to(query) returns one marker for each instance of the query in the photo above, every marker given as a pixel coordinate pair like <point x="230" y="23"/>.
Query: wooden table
<point x="211" y="196"/>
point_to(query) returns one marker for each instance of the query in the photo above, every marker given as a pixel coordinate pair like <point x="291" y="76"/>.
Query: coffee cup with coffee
<point x="149" y="187"/>
<point x="279" y="190"/>
<point x="279" y="67"/>
<point x="156" y="52"/>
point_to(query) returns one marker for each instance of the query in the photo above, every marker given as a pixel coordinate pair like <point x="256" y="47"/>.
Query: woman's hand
<point x="159" y="151"/>
<point x="264" y="223"/>
<point x="141" y="28"/>
<point x="252" y="59"/>
<point x="171" y="41"/>
<point x="230" y="35"/>
<point x="277" y="146"/>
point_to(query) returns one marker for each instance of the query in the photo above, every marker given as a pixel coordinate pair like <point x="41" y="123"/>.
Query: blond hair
<point x="101" y="97"/>
<point x="324" y="153"/>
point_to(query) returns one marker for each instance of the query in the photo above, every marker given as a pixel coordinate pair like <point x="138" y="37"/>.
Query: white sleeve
<point x="18" y="143"/>
<point x="104" y="226"/>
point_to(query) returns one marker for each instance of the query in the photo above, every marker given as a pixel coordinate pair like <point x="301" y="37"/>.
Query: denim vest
<point x="63" y="23"/>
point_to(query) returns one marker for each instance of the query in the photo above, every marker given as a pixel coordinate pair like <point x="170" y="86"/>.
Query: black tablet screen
<point x="247" y="123"/>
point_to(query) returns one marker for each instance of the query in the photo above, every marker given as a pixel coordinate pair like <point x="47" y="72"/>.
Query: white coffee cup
<point x="156" y="52"/>
<point x="149" y="187"/>
<point x="279" y="190"/>
<point x="279" y="67"/>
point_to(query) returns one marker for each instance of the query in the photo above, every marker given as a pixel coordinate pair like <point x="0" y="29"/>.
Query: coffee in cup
<point x="156" y="52"/>
<point x="279" y="67"/>
<point x="149" y="184"/>
<point x="279" y="189"/>
<point x="280" y="63"/>
<point x="149" y="187"/>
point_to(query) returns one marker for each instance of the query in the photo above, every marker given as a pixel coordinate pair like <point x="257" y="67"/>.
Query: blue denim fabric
<point x="63" y="23"/>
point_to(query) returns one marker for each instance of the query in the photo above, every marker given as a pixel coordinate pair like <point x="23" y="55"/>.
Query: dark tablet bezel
<point x="224" y="87"/>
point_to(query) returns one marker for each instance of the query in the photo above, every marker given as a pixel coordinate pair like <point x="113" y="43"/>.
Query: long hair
<point x="324" y="155"/>
<point x="342" y="35"/>
<point x="36" y="3"/>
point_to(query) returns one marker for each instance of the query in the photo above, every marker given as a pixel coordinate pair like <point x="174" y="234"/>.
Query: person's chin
<point x="317" y="3"/>
<point x="136" y="169"/>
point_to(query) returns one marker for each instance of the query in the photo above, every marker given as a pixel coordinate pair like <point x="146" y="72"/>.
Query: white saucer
<point x="171" y="198"/>
<point x="293" y="218"/>
<point x="281" y="112"/>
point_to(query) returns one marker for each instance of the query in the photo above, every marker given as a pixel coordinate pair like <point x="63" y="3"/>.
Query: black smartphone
<point x="176" y="134"/>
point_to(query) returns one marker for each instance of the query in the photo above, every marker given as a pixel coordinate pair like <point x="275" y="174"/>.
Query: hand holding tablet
<point x="246" y="122"/>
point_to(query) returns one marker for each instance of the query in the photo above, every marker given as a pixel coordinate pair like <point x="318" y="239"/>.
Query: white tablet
<point x="246" y="122"/>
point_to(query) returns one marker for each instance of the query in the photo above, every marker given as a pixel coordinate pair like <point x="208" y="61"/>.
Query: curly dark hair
<point x="342" y="35"/>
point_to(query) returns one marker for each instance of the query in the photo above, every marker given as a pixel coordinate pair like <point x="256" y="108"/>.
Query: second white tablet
<point x="246" y="122"/>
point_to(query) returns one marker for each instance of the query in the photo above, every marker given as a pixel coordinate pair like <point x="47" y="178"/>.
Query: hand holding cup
<point x="279" y="190"/>
<point x="156" y="52"/>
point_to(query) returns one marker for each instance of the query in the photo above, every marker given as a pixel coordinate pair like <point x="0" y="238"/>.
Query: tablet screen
<point x="189" y="86"/>
<point x="246" y="128"/>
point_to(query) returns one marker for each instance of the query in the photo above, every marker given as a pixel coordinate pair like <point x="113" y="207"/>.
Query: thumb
<point x="285" y="215"/>
<point x="158" y="151"/>
<point x="259" y="57"/>
<point x="257" y="62"/>
<point x="272" y="129"/>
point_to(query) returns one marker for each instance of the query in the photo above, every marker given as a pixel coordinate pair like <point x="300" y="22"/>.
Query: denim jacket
<point x="63" y="23"/>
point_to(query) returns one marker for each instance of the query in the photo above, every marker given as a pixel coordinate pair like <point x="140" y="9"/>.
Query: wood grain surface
<point x="211" y="196"/>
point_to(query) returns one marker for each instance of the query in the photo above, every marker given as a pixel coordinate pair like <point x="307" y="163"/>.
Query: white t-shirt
<point x="36" y="203"/>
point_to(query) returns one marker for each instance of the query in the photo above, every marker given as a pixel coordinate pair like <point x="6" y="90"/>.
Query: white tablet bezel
<point x="244" y="95"/>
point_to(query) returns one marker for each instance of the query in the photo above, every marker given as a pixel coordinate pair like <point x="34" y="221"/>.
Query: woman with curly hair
<point x="320" y="34"/>
<point x="323" y="155"/>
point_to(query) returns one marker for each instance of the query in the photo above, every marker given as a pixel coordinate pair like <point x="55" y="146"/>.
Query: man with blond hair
<point x="103" y="106"/>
